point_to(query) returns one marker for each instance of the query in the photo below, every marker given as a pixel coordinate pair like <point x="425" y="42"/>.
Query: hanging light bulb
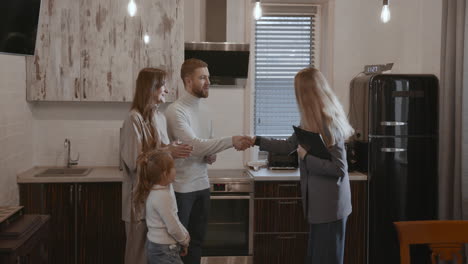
<point x="146" y="38"/>
<point x="132" y="8"/>
<point x="257" y="10"/>
<point x="385" y="15"/>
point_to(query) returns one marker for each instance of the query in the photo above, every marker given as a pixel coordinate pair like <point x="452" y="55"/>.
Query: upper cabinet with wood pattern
<point x="92" y="50"/>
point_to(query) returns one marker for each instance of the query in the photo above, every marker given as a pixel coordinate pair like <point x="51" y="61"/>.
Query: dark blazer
<point x="325" y="190"/>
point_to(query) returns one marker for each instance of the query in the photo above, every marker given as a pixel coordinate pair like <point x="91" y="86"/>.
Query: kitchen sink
<point x="64" y="172"/>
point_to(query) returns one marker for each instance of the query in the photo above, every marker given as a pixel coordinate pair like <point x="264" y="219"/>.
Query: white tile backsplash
<point x="93" y="129"/>
<point x="16" y="142"/>
<point x="97" y="141"/>
<point x="227" y="112"/>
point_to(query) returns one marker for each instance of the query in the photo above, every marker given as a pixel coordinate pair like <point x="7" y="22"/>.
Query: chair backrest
<point x="445" y="238"/>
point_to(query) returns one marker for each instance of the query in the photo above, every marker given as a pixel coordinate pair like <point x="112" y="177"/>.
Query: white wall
<point x="194" y="20"/>
<point x="16" y="143"/>
<point x="411" y="40"/>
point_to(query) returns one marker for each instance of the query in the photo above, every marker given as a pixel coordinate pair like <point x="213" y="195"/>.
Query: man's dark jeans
<point x="194" y="209"/>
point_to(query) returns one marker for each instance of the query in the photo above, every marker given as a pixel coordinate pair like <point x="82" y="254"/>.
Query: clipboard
<point x="312" y="143"/>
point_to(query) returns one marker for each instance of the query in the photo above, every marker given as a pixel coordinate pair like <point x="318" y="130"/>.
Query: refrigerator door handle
<point x="392" y="149"/>
<point x="393" y="123"/>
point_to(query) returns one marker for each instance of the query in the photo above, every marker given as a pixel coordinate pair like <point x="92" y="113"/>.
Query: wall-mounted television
<point x="18" y="26"/>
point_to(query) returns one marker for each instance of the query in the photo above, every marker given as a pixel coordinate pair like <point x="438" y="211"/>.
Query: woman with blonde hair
<point x="325" y="187"/>
<point x="144" y="129"/>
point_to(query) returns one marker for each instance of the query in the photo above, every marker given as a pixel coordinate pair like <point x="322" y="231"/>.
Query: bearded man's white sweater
<point x="188" y="122"/>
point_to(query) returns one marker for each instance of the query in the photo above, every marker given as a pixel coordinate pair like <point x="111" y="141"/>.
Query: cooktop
<point x="229" y="175"/>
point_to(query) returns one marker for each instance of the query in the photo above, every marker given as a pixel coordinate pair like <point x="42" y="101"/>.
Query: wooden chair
<point x="445" y="238"/>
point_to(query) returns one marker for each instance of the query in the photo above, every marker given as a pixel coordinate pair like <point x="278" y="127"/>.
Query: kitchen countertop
<point x="265" y="174"/>
<point x="113" y="174"/>
<point x="98" y="174"/>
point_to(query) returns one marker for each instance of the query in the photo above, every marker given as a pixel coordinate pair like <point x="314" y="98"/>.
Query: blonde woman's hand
<point x="184" y="251"/>
<point x="180" y="150"/>
<point x="301" y="152"/>
<point x="241" y="142"/>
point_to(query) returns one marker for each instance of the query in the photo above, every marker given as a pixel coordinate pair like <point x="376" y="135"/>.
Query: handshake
<point x="242" y="142"/>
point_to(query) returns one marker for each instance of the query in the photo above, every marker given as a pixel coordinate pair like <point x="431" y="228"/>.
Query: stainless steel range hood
<point x="217" y="46"/>
<point x="227" y="61"/>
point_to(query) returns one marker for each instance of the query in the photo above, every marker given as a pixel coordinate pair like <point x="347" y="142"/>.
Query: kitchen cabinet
<point x="92" y="50"/>
<point x="85" y="222"/>
<point x="281" y="231"/>
<point x="280" y="248"/>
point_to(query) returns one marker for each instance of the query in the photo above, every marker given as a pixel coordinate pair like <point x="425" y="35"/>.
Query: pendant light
<point x="132" y="8"/>
<point x="257" y="10"/>
<point x="385" y="14"/>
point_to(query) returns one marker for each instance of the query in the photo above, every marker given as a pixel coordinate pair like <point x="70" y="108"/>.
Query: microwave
<point x="278" y="161"/>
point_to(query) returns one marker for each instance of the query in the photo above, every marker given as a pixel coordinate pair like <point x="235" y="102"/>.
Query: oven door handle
<point x="227" y="197"/>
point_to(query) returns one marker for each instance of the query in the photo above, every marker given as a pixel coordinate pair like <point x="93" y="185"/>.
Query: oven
<point x="229" y="236"/>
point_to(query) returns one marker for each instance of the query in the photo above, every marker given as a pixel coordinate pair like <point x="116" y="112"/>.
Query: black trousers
<point x="194" y="209"/>
<point x="326" y="243"/>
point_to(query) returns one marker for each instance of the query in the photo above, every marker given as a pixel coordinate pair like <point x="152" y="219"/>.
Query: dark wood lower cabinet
<point x="100" y="230"/>
<point x="85" y="222"/>
<point x="281" y="232"/>
<point x="356" y="228"/>
<point x="280" y="248"/>
<point x="292" y="208"/>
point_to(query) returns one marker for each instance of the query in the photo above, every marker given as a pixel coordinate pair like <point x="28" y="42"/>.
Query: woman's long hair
<point x="153" y="166"/>
<point x="321" y="112"/>
<point x="148" y="82"/>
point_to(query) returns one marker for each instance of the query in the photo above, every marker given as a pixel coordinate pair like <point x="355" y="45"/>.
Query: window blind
<point x="283" y="46"/>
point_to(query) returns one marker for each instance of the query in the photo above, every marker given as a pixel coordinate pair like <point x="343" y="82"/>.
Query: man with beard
<point x="188" y="123"/>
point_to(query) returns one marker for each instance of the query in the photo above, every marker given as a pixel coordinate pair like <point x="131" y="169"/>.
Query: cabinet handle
<point x="79" y="193"/>
<point x="289" y="202"/>
<point x="392" y="149"/>
<point x="287" y="185"/>
<point x="392" y="123"/>
<point x="286" y="237"/>
<point x="71" y="194"/>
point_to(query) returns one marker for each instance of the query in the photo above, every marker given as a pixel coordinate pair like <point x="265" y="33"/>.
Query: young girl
<point x="166" y="234"/>
<point x="143" y="129"/>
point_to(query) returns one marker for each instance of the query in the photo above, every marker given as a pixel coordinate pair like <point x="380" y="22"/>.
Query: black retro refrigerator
<point x="401" y="134"/>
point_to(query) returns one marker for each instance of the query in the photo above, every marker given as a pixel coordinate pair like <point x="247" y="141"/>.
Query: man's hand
<point x="180" y="150"/>
<point x="241" y="142"/>
<point x="210" y="159"/>
<point x="301" y="152"/>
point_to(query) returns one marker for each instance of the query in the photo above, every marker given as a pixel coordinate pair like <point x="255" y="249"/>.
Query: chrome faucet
<point x="70" y="161"/>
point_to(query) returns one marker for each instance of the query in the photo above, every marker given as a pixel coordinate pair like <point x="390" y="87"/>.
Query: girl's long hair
<point x="148" y="82"/>
<point x="153" y="166"/>
<point x="321" y="112"/>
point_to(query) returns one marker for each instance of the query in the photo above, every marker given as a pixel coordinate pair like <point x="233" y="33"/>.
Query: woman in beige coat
<point x="143" y="129"/>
